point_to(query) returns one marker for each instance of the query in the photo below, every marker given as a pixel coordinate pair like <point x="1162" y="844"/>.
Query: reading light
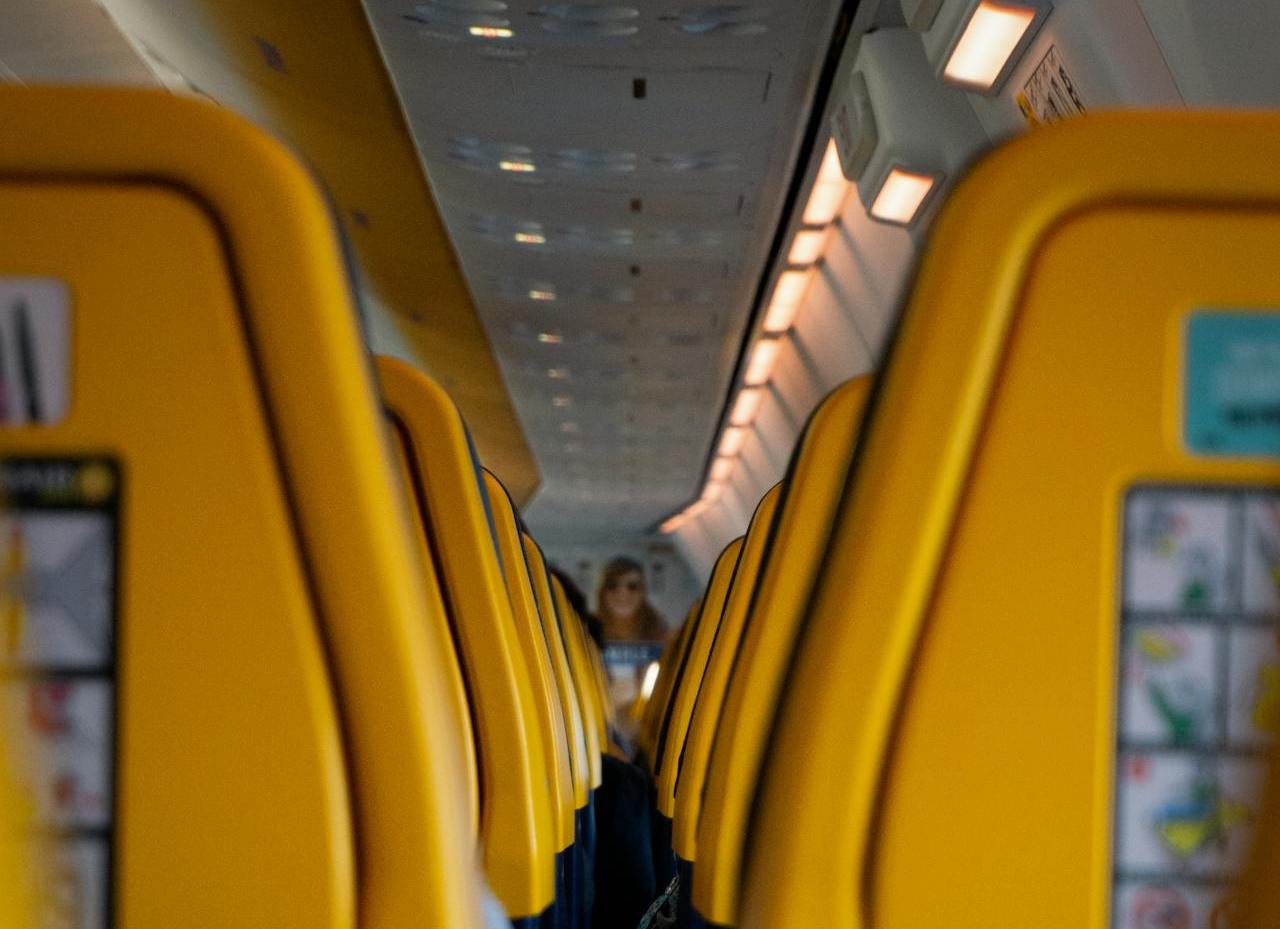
<point x="550" y="338"/>
<point x="990" y="41"/>
<point x="746" y="406"/>
<point x="807" y="247"/>
<point x="901" y="195"/>
<point x="673" y="523"/>
<point x="829" y="189"/>
<point x="760" y="367"/>
<point x="490" y="32"/>
<point x="651" y="672"/>
<point x="696" y="507"/>
<point x="786" y="301"/>
<point x="531" y="238"/>
<point x="731" y="441"/>
<point x="542" y="294"/>
<point x="720" y="469"/>
<point x="520" y="167"/>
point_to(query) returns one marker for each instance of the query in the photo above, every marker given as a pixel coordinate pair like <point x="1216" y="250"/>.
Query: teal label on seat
<point x="1232" y="384"/>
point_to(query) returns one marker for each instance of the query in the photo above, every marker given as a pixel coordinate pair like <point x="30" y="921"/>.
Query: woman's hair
<point x="649" y="621"/>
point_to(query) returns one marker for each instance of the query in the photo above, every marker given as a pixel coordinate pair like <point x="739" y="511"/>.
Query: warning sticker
<point x="35" y="350"/>
<point x="1050" y="93"/>
<point x="58" y="558"/>
<point x="1199" y="698"/>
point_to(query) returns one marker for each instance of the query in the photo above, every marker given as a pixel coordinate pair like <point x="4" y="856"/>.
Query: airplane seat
<point x="567" y="793"/>
<point x="702" y="687"/>
<point x="1036" y="679"/>
<point x="224" y="683"/>
<point x="519" y="830"/>
<point x="584" y="770"/>
<point x="730" y="723"/>
<point x="686" y="677"/>
<point x="656" y="709"/>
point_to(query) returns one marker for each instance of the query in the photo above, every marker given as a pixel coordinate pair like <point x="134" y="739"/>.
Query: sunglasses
<point x="632" y="586"/>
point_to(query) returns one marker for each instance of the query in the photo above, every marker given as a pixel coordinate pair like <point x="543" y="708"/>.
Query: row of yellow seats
<point x="277" y="652"/>
<point x="1008" y="653"/>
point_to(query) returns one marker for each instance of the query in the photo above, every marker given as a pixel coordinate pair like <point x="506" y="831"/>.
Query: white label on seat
<point x="35" y="351"/>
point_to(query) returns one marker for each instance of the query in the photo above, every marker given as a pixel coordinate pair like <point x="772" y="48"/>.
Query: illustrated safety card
<point x="1199" y="695"/>
<point x="58" y="555"/>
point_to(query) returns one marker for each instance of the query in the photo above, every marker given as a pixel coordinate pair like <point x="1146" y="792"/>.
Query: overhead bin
<point x="223" y="683"/>
<point x="1033" y="684"/>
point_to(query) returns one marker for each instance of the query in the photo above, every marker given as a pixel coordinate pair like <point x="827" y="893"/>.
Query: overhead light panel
<point x="829" y="189"/>
<point x="988" y="40"/>
<point x="542" y="295"/>
<point x="906" y="151"/>
<point x="550" y="338"/>
<point x="760" y="365"/>
<point x="746" y="406"/>
<point x="721" y="468"/>
<point x="731" y="441"/>
<point x="531" y="238"/>
<point x="490" y="32"/>
<point x="558" y="374"/>
<point x="517" y="166"/>
<point x="807" y="247"/>
<point x="901" y="196"/>
<point x="787" y="295"/>
<point x="561" y="401"/>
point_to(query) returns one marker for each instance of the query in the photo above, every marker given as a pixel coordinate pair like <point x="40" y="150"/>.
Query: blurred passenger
<point x="622" y="603"/>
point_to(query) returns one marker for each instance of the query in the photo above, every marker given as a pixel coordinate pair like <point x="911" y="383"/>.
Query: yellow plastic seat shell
<point x="744" y="677"/>
<point x="137" y="199"/>
<point x="533" y="645"/>
<point x="708" y="686"/>
<point x="710" y="607"/>
<point x="1037" y="375"/>
<point x="518" y="830"/>
<point x="668" y="667"/>
<point x="680" y="709"/>
<point x="566" y="687"/>
<point x="583" y="679"/>
<point x="457" y="705"/>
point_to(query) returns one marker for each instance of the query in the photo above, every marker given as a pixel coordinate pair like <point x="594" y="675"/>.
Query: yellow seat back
<point x="456" y="688"/>
<point x="518" y="829"/>
<point x="744" y="676"/>
<point x="722" y="632"/>
<point x="584" y="681"/>
<point x="566" y="685"/>
<point x="689" y="675"/>
<point x="668" y="667"/>
<point x="1036" y="674"/>
<point x="213" y="626"/>
<point x="549" y="713"/>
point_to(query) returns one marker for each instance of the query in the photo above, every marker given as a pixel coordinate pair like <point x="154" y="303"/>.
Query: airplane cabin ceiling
<point x="611" y="176"/>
